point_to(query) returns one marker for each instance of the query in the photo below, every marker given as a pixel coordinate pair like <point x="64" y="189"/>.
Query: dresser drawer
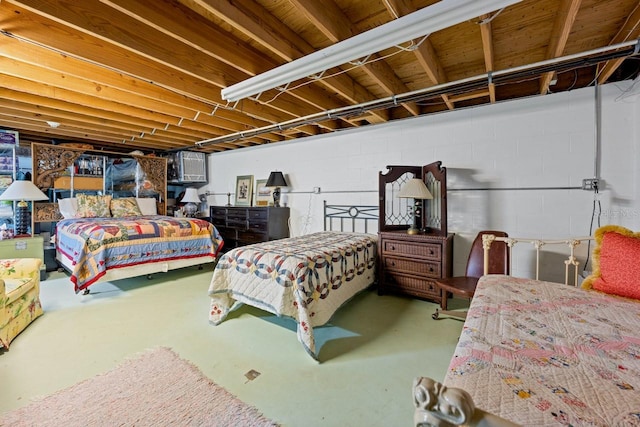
<point x="412" y="249"/>
<point x="218" y="212"/>
<point x="239" y="223"/>
<point x="237" y="215"/>
<point x="249" y="237"/>
<point x="258" y="227"/>
<point x="409" y="266"/>
<point x="422" y="288"/>
<point x="257" y="214"/>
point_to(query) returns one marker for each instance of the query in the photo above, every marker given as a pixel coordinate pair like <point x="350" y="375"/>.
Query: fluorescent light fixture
<point x="438" y="16"/>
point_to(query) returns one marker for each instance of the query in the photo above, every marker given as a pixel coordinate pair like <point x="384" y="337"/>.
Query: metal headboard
<point x="571" y="243"/>
<point x="350" y="214"/>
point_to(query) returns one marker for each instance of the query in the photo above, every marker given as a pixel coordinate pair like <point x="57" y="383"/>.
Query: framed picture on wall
<point x="244" y="187"/>
<point x="263" y="193"/>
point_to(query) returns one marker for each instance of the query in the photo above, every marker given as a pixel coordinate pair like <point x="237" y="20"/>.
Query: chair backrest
<point x="499" y="262"/>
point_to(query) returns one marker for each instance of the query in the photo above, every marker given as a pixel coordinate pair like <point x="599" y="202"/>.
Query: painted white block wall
<point x="537" y="142"/>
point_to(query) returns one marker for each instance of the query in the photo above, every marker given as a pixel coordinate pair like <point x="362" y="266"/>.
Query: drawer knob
<point x="393" y="248"/>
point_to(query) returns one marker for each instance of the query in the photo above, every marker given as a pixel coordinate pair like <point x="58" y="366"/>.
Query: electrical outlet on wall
<point x="590" y="184"/>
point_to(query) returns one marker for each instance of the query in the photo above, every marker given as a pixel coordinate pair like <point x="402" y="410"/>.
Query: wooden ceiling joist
<point x="150" y="72"/>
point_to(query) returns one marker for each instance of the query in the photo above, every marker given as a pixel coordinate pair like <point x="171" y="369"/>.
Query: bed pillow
<point x="616" y="269"/>
<point x="147" y="205"/>
<point x="68" y="207"/>
<point x="93" y="206"/>
<point x="126" y="206"/>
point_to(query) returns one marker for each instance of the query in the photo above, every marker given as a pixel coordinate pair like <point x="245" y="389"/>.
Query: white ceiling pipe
<point x="438" y="16"/>
<point x="615" y="51"/>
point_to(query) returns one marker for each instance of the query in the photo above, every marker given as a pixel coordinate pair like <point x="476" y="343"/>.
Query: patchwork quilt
<point x="306" y="278"/>
<point x="95" y="245"/>
<point x="540" y="353"/>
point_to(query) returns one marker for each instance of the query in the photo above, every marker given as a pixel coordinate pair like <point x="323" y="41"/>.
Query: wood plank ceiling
<point x="147" y="75"/>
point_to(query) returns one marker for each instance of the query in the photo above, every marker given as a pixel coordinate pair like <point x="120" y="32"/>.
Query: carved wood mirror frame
<point x="395" y="213"/>
<point x="52" y="161"/>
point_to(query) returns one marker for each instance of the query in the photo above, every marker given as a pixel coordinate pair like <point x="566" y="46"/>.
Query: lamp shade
<point x="190" y="196"/>
<point x="415" y="189"/>
<point x="276" y="179"/>
<point x="23" y="190"/>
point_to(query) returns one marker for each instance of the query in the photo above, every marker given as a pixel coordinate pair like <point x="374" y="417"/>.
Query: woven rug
<point x="157" y="388"/>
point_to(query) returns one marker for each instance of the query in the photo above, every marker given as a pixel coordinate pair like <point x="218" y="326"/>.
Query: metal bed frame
<point x="349" y="214"/>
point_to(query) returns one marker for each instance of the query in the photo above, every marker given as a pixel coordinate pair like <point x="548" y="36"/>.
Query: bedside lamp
<point x="417" y="190"/>
<point x="192" y="200"/>
<point x="21" y="192"/>
<point x="276" y="179"/>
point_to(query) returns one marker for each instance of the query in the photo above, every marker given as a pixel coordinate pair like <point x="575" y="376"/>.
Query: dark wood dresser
<point x="409" y="264"/>
<point x="241" y="226"/>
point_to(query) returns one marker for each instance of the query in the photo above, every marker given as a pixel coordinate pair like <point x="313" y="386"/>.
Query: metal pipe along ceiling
<point x="592" y="57"/>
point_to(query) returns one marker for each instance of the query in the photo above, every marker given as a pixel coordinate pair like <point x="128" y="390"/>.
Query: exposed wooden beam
<point x="630" y="30"/>
<point x="257" y="23"/>
<point x="425" y="52"/>
<point x="335" y="25"/>
<point x="27" y="24"/>
<point x="470" y="95"/>
<point x="487" y="49"/>
<point x="563" y="23"/>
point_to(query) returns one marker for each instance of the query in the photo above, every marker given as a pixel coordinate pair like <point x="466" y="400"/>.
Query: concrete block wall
<point x="509" y="166"/>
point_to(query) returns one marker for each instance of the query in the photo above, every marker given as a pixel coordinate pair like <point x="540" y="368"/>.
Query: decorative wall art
<point x="244" y="188"/>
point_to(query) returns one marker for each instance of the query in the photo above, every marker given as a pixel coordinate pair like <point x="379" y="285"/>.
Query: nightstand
<point x="410" y="264"/>
<point x="24" y="247"/>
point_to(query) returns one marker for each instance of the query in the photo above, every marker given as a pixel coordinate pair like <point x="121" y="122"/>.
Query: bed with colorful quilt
<point x="306" y="278"/>
<point x="107" y="248"/>
<point x="540" y="353"/>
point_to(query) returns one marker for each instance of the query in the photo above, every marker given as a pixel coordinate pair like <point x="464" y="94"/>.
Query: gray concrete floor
<point x="373" y="348"/>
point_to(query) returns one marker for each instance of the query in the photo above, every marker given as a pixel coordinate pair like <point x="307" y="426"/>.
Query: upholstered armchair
<point x="19" y="296"/>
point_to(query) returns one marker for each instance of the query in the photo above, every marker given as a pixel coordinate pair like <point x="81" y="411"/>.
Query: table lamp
<point x="414" y="189"/>
<point x="21" y="192"/>
<point x="276" y="179"/>
<point x="192" y="201"/>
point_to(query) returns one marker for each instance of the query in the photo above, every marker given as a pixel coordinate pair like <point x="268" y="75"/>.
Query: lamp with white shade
<point x="414" y="189"/>
<point x="192" y="201"/>
<point x="22" y="192"/>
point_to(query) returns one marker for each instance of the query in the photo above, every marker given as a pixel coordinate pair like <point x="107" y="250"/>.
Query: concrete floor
<point x="373" y="349"/>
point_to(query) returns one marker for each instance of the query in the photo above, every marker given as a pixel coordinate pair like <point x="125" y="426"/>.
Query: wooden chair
<point x="465" y="286"/>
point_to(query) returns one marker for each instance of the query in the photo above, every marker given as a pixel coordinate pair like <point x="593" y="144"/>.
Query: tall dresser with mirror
<point x="410" y="263"/>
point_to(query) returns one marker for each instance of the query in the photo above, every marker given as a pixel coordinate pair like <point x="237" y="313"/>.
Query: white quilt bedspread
<point x="541" y="353"/>
<point x="306" y="278"/>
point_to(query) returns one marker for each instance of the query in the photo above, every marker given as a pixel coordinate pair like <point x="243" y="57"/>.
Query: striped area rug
<point x="156" y="388"/>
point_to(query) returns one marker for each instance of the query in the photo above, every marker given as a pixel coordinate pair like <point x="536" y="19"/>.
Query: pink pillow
<point x="615" y="261"/>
